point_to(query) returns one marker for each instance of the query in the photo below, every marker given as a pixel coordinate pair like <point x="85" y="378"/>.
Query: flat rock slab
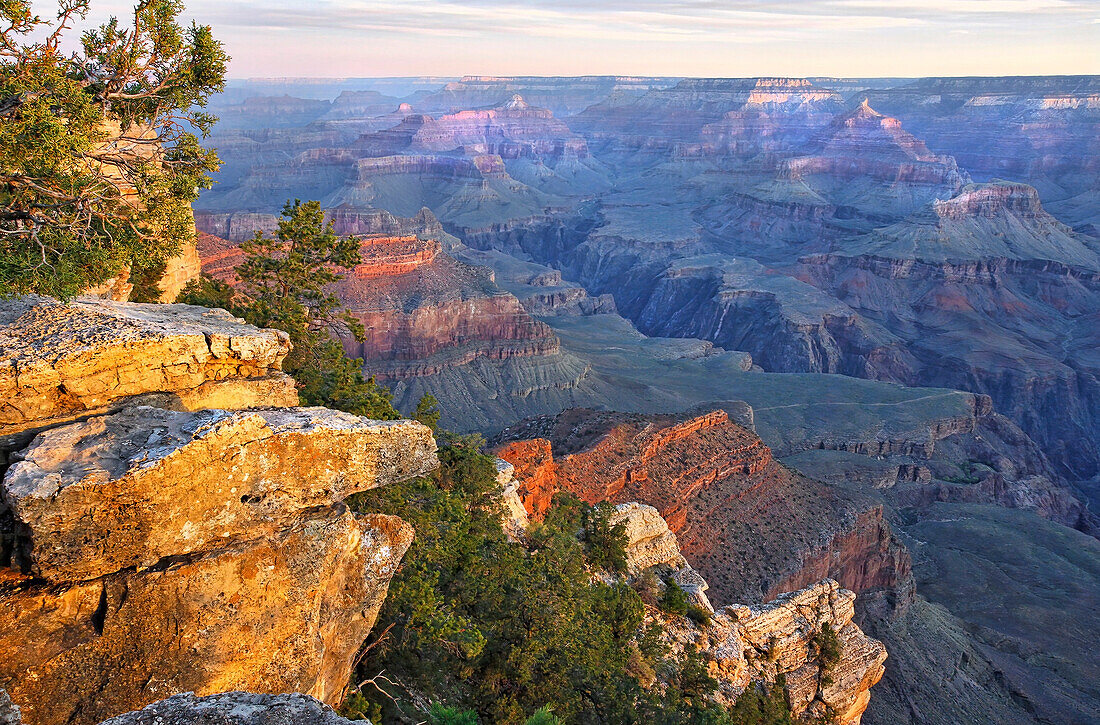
<point x="235" y="708"/>
<point x="59" y="361"/>
<point x="130" y="489"/>
<point x="284" y="614"/>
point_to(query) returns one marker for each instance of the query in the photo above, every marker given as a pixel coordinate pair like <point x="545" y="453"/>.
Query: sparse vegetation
<point x="763" y="704"/>
<point x="477" y="624"/>
<point x="827" y="645"/>
<point x="674" y="600"/>
<point x="99" y="163"/>
<point x="699" y="615"/>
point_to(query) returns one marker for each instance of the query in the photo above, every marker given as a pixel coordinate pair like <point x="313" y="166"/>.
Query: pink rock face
<point x="425" y="313"/>
<point x="991" y="200"/>
<point x="865" y="143"/>
<point x="682" y="112"/>
<point x="513" y="129"/>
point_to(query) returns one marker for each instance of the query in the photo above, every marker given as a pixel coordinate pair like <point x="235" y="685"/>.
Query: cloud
<point x="672" y="37"/>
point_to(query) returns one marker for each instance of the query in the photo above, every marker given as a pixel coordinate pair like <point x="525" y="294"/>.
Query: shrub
<point x="674" y="600"/>
<point x="699" y="615"/>
<point x="827" y="645"/>
<point x="543" y="716"/>
<point x="444" y="715"/>
<point x="76" y="208"/>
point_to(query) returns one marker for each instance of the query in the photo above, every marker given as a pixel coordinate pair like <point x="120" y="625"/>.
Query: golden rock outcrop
<point x="153" y="542"/>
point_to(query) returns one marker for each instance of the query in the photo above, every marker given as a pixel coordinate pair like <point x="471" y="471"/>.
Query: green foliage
<point x="763" y="704"/>
<point x="827" y="645"/>
<point x="674" y="600"/>
<point x="543" y="716"/>
<point x="427" y="412"/>
<point x="99" y="162"/>
<point x="283" y="284"/>
<point x="699" y="615"/>
<point x="477" y="622"/>
<point x="357" y="707"/>
<point x="443" y="715"/>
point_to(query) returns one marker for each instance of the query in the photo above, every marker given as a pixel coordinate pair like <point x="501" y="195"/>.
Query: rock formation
<point x="61" y="362"/>
<point x="234" y="708"/>
<point x="752" y="644"/>
<point x="166" y="548"/>
<point x="752" y="528"/>
<point x="747" y="645"/>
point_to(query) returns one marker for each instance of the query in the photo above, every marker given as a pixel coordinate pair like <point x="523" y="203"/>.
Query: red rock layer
<point x="439" y="314"/>
<point x="752" y="527"/>
<point x="536" y="472"/>
<point x="423" y="311"/>
<point x="865" y="557"/>
<point x="220" y="257"/>
<point x="391" y="256"/>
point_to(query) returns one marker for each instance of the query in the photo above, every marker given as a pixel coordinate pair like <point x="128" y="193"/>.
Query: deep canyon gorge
<point x="829" y="347"/>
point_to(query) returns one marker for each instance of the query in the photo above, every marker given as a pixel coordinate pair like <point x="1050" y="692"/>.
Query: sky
<point x="711" y="38"/>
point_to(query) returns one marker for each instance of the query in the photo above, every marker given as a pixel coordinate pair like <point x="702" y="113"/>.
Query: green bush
<point x="674" y="600"/>
<point x="483" y="624"/>
<point x="543" y="716"/>
<point x="763" y="704"/>
<point x="699" y="615"/>
<point x="827" y="645"/>
<point x="357" y="707"/>
<point x="444" y="715"/>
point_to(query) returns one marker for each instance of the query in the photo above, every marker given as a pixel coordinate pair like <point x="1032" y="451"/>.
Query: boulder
<point x="281" y="614"/>
<point x="133" y="488"/>
<point x="152" y="543"/>
<point x="60" y="362"/>
<point x="9" y="712"/>
<point x="234" y="708"/>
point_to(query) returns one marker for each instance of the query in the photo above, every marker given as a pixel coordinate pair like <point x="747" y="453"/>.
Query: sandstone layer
<point x="130" y="489"/>
<point x="60" y="362"/>
<point x="159" y="550"/>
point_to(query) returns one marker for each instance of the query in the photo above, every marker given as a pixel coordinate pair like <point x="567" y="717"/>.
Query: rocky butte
<point x="164" y="529"/>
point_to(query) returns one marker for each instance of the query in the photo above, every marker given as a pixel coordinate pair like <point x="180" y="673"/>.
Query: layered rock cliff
<point x="752" y="644"/>
<point x="752" y="527"/>
<point x="154" y="540"/>
<point x="60" y="362"/>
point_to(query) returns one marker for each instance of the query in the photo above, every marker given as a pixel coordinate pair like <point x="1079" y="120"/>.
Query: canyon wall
<point x="751" y="527"/>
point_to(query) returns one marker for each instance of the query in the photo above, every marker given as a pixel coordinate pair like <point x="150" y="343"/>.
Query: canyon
<point x="888" y="288"/>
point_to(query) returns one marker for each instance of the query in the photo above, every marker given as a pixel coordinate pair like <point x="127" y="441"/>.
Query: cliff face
<point x="681" y="112"/>
<point x="750" y="526"/>
<point x="989" y="259"/>
<point x="512" y="129"/>
<point x="165" y="548"/>
<point x="425" y="311"/>
<point x="741" y="645"/>
<point x="750" y="644"/>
